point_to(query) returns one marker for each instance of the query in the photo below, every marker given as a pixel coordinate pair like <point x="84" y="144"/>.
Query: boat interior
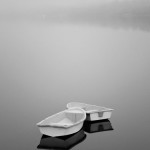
<point x="63" y="119"/>
<point x="87" y="107"/>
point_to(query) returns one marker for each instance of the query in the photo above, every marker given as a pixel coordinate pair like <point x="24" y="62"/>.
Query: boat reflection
<point x="61" y="142"/>
<point x="97" y="126"/>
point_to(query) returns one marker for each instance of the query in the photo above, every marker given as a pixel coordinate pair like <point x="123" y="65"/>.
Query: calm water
<point x="49" y="57"/>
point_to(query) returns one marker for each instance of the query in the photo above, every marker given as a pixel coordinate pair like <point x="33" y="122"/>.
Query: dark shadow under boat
<point x="97" y="126"/>
<point x="61" y="142"/>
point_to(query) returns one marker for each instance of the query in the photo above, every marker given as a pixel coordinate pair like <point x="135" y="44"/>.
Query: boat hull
<point x="56" y="131"/>
<point x="98" y="116"/>
<point x="62" y="142"/>
<point x="97" y="126"/>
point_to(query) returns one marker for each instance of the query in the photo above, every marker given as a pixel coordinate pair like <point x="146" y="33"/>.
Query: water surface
<point x="49" y="57"/>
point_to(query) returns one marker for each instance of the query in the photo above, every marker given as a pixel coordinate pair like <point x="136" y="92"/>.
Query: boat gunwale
<point x="55" y="125"/>
<point x="104" y="109"/>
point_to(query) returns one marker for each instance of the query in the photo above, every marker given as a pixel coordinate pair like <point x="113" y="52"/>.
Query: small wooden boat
<point x="63" y="123"/>
<point x="93" y="112"/>
<point x="62" y="142"/>
<point x="97" y="126"/>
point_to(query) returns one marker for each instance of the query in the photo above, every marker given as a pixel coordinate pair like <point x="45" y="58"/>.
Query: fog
<point x="125" y="14"/>
<point x="9" y="5"/>
<point x="93" y="51"/>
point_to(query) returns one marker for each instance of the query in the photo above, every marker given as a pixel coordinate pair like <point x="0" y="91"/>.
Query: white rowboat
<point x="93" y="112"/>
<point x="63" y="123"/>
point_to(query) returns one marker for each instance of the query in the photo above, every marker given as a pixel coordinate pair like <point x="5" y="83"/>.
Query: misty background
<point x="92" y="51"/>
